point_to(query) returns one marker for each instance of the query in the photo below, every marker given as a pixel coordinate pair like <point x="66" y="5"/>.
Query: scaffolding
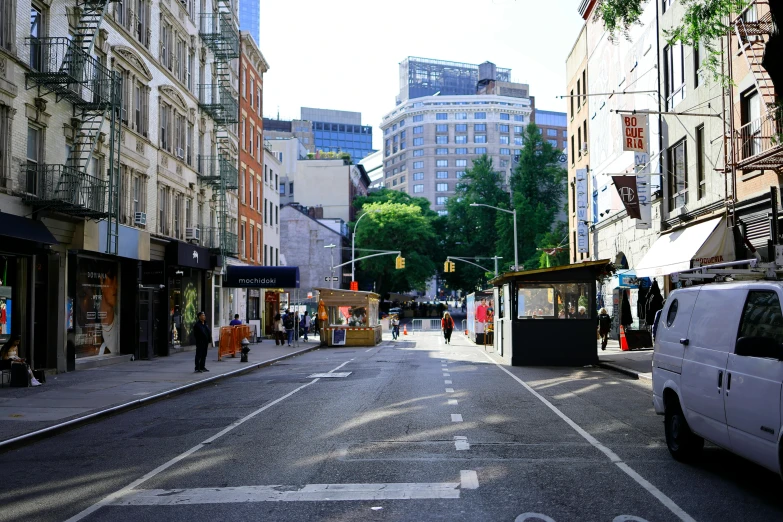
<point x="65" y="67"/>
<point x="218" y="99"/>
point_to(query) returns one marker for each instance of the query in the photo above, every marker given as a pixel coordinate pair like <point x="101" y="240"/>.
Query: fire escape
<point x="64" y="67"/>
<point x="220" y="172"/>
<point x="759" y="142"/>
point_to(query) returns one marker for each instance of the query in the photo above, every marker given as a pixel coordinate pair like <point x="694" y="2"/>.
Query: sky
<point x="345" y="54"/>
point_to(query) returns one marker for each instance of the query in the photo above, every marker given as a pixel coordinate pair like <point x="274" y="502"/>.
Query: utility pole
<point x="331" y="252"/>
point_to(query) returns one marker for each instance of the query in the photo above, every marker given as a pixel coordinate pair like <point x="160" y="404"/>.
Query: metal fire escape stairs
<point x="217" y="99"/>
<point x="65" y="67"/>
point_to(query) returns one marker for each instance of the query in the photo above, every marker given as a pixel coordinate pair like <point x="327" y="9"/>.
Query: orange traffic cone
<point x="623" y="342"/>
<point x="405" y="329"/>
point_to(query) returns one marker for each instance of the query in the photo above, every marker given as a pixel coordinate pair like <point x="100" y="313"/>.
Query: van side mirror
<point x="759" y="347"/>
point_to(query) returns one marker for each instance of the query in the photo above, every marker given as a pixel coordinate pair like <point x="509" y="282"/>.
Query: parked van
<point x="718" y="370"/>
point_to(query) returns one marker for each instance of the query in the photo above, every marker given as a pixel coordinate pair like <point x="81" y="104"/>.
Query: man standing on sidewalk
<point x="203" y="339"/>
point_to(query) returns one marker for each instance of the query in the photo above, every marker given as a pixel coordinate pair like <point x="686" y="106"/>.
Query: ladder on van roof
<point x="753" y="269"/>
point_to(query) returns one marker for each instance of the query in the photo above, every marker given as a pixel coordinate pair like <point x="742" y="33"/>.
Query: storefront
<point x="186" y="283"/>
<point x="351" y="317"/>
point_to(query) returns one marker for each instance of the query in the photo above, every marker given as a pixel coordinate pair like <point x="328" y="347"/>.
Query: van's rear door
<point x="672" y="328"/>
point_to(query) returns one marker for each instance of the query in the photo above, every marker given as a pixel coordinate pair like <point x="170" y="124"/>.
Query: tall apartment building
<point x="553" y="126"/>
<point x="339" y="131"/>
<point x="430" y="141"/>
<point x="250" y="19"/>
<point x="117" y="158"/>
<point x="284" y="129"/>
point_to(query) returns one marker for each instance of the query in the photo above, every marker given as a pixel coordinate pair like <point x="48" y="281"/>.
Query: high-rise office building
<point x="421" y="77"/>
<point x="554" y="127"/>
<point x="339" y="131"/>
<point x="250" y="18"/>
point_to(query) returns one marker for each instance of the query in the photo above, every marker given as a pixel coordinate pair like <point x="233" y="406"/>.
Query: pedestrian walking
<point x="203" y="337"/>
<point x="278" y="330"/>
<point x="604" y="325"/>
<point x="288" y="323"/>
<point x="306" y="325"/>
<point x="395" y="326"/>
<point x="447" y="324"/>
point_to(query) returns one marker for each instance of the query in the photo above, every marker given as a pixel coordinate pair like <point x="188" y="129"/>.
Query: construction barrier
<point x="425" y="325"/>
<point x="231" y="339"/>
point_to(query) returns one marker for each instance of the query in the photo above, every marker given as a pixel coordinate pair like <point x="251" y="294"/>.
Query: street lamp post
<point x="353" y="243"/>
<point x="514" y="214"/>
<point x="331" y="253"/>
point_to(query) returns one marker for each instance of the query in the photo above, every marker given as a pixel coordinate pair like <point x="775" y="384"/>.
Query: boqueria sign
<point x="261" y="277"/>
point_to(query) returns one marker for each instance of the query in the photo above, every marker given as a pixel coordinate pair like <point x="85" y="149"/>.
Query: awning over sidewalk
<point x="705" y="243"/>
<point x="251" y="276"/>
<point x="19" y="227"/>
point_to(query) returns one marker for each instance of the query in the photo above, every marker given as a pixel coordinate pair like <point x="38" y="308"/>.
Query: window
<point x="461" y="139"/>
<point x="461" y="127"/>
<point x="700" y="167"/>
<point x="7" y="25"/>
<point x="461" y="116"/>
<point x="441" y="152"/>
<point x="480" y="138"/>
<point x="665" y="4"/>
<point x="441" y="116"/>
<point x="674" y="74"/>
<point x="394" y="183"/>
<point x="441" y="128"/>
<point x="584" y="86"/>
<point x="418" y="189"/>
<point x="418" y="176"/>
<point x="250" y="141"/>
<point x="479" y="115"/>
<point x="698" y="62"/>
<point x="442" y="174"/>
<point x="762" y="316"/>
<point x="242" y="251"/>
<point x="750" y="114"/>
<point x="571" y="99"/>
<point x="519" y="117"/>
<point x="402" y="135"/>
<point x="442" y="187"/>
<point x="481" y="150"/>
<point x="291" y="188"/>
<point x="418" y="164"/>
<point x="402" y="145"/>
<point x="504" y="140"/>
<point x="518" y="140"/>
<point x="242" y="185"/>
<point x="443" y="212"/>
<point x="34" y="157"/>
<point x="418" y="152"/>
<point x="551" y="132"/>
<point x="678" y="175"/>
<point x="441" y="140"/>
<point x="250" y="187"/>
<point x="441" y="200"/>
<point x="503" y="128"/>
<point x="402" y="179"/>
<point x="518" y="129"/>
<point x="163" y="209"/>
<point x="282" y="189"/>
<point x="506" y="152"/>
<point x="442" y="163"/>
<point x="460" y="174"/>
<point x="553" y="301"/>
<point x="417" y="118"/>
<point x="504" y="116"/>
<point x="461" y="163"/>
<point x="480" y="127"/>
<point x="461" y="150"/>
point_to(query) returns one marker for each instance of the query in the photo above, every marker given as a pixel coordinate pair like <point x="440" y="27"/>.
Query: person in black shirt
<point x="203" y="337"/>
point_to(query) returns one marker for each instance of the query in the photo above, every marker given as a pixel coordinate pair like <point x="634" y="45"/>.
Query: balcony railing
<point x="760" y="143"/>
<point x="217" y="169"/>
<point x="218" y="240"/>
<point x="220" y="35"/>
<point x="61" y="66"/>
<point x="64" y="189"/>
<point x="217" y="100"/>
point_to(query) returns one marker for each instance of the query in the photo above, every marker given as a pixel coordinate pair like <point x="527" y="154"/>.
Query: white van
<point x="718" y="370"/>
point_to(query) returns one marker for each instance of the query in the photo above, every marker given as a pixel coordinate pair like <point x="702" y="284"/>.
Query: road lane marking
<point x="461" y="443"/>
<point x="449" y="390"/>
<point x="447" y="381"/>
<point x="308" y="493"/>
<point x="447" y="375"/>
<point x="453" y="402"/>
<point x="613" y="457"/>
<point x="456" y="417"/>
<point x="468" y="479"/>
<point x="163" y="467"/>
<point x="329" y="375"/>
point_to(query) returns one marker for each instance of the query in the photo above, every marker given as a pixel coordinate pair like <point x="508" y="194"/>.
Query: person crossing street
<point x="447" y="325"/>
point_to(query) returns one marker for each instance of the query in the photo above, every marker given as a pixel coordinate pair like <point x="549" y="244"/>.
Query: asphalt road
<point x="417" y="431"/>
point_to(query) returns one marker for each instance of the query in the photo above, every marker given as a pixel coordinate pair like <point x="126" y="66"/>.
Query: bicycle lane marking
<point x="113" y="497"/>
<point x="613" y="457"/>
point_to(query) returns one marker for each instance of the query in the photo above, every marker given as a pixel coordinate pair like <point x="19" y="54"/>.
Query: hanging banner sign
<point x="582" y="239"/>
<point x="635" y="132"/>
<point x="626" y="187"/>
<point x="643" y="191"/>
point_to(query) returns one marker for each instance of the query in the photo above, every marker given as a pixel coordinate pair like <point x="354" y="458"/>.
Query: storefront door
<point x="146" y="325"/>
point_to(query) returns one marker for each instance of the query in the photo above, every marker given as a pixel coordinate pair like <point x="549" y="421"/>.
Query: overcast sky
<point x="345" y="54"/>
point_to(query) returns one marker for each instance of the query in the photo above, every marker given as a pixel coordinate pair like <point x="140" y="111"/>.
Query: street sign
<point x="635" y="132"/>
<point x="582" y="241"/>
<point x="332" y="278"/>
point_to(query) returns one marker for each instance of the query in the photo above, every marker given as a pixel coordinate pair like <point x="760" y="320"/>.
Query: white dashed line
<point x="453" y="402"/>
<point x="468" y="479"/>
<point x="456" y="417"/>
<point x="447" y="375"/>
<point x="449" y="390"/>
<point x="447" y="382"/>
<point x="461" y="443"/>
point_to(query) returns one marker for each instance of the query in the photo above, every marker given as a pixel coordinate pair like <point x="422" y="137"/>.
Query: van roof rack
<point x="734" y="271"/>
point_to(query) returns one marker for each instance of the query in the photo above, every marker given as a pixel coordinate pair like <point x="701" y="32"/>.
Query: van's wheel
<point x="683" y="444"/>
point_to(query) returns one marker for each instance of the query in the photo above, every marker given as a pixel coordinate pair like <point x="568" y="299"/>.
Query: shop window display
<point x="96" y="309"/>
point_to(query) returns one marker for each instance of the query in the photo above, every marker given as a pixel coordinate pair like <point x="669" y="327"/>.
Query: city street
<point x="408" y="430"/>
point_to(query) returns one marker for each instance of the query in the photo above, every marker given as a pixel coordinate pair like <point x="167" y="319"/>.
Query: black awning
<point x="19" y="227"/>
<point x="249" y="276"/>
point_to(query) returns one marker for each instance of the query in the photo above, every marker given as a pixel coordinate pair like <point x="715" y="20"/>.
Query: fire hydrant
<point x="245" y="350"/>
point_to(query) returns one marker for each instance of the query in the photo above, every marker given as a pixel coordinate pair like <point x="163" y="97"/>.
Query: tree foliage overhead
<point x="704" y="22"/>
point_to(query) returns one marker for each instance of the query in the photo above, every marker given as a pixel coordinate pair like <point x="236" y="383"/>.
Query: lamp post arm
<point x="387" y="253"/>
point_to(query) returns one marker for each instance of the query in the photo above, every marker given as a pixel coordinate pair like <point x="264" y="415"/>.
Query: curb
<point x="626" y="371"/>
<point x="57" y="428"/>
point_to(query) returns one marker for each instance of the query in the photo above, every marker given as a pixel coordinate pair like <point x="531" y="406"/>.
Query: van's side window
<point x="672" y="313"/>
<point x="762" y="316"/>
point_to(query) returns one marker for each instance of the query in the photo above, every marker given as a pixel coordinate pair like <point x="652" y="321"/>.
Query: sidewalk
<point x="635" y="363"/>
<point x="75" y="396"/>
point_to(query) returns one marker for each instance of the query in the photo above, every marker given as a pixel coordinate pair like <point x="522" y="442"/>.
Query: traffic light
<point x="452" y="266"/>
<point x="447" y="266"/>
<point x="399" y="262"/>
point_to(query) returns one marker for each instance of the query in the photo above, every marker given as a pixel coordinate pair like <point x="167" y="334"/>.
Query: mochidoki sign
<point x="261" y="277"/>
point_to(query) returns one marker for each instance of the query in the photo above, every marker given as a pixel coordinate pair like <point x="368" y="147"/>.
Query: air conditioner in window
<point x="180" y="153"/>
<point x="193" y="234"/>
<point x="140" y="218"/>
<point x="584" y="148"/>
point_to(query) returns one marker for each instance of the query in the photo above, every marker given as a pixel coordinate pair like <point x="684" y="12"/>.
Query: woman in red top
<point x="447" y="325"/>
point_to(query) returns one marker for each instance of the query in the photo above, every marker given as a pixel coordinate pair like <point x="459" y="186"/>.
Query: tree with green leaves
<point x="397" y="226"/>
<point x="538" y="192"/>
<point x="471" y="231"/>
<point x="704" y="22"/>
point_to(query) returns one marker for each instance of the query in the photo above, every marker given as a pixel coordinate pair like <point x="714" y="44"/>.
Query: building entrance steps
<point x="68" y="399"/>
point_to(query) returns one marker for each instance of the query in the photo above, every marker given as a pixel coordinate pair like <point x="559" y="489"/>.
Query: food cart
<point x="351" y="317"/>
<point x="477" y="305"/>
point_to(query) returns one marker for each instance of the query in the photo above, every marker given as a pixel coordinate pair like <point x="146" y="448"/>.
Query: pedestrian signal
<point x="399" y="262"/>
